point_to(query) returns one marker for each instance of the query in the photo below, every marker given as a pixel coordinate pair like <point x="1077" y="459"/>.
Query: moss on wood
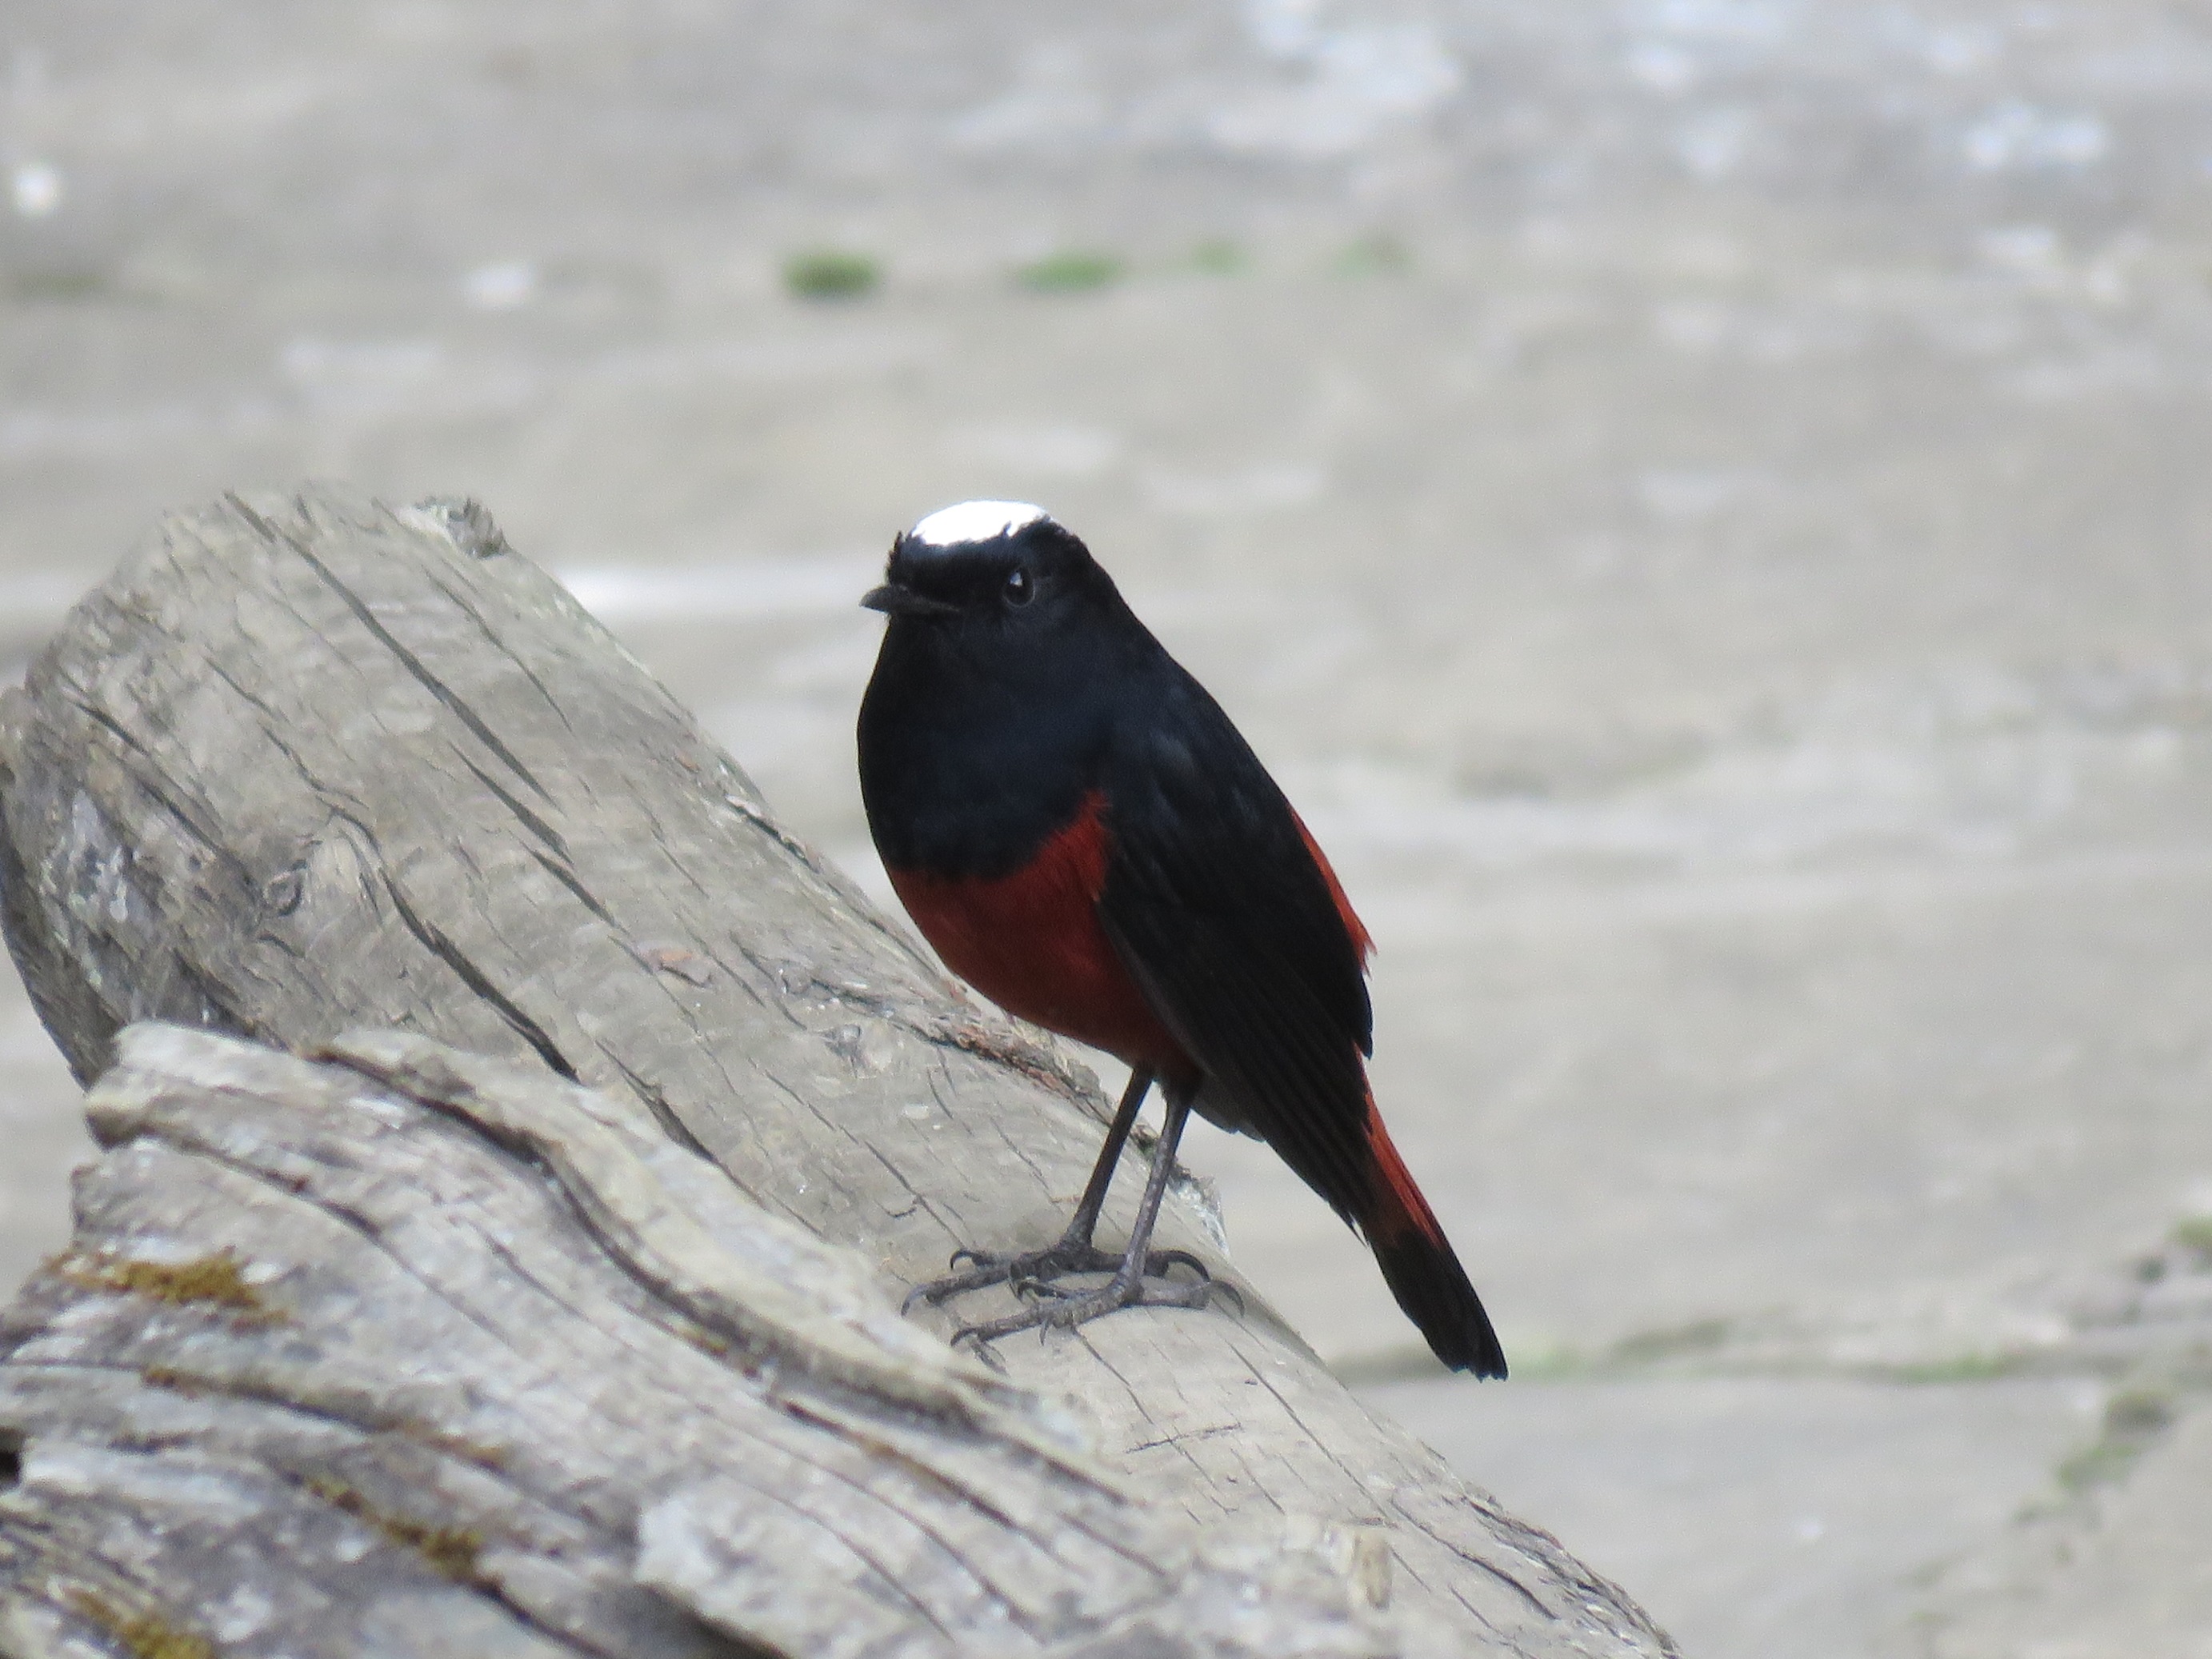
<point x="216" y="1280"/>
<point x="142" y="1635"/>
<point x="451" y="1552"/>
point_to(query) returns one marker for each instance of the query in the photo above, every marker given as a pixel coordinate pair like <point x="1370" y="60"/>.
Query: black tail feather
<point x="1434" y="1291"/>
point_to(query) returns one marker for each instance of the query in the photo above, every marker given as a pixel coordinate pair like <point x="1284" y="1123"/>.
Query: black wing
<point x="1217" y="906"/>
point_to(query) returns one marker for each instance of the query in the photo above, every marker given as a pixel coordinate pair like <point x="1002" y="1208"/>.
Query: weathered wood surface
<point x="307" y="765"/>
<point x="420" y="1353"/>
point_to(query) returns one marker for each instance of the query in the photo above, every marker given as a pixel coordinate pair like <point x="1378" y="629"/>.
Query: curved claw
<point x="1177" y="1259"/>
<point x="980" y="1258"/>
<point x="1074" y="1307"/>
<point x="981" y="1343"/>
<point x="1030" y="1285"/>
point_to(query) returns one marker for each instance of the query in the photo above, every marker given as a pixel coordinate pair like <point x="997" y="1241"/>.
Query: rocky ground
<point x="1703" y="502"/>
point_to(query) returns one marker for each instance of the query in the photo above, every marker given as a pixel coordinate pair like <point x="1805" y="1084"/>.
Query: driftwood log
<point x="367" y="1343"/>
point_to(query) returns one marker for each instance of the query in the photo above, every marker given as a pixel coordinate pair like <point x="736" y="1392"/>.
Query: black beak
<point x="895" y="601"/>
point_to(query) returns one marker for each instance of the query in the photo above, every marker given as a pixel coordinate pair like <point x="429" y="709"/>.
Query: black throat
<point x="979" y="740"/>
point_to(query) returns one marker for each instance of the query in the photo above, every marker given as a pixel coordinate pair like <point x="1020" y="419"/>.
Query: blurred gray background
<point x="1703" y="503"/>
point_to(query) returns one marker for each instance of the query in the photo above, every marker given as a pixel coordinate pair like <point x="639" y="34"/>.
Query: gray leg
<point x="1135" y="1275"/>
<point x="1075" y="1253"/>
<point x="1085" y="1219"/>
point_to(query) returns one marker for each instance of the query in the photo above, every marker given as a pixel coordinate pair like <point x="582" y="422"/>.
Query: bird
<point x="1084" y="836"/>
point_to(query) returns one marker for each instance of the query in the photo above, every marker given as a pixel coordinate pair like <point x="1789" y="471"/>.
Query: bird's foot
<point x="1057" y="1307"/>
<point x="1033" y="1271"/>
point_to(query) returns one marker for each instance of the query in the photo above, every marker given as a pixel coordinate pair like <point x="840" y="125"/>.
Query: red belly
<point x="1031" y="942"/>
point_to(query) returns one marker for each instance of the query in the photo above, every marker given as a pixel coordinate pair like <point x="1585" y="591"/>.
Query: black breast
<point x="967" y="765"/>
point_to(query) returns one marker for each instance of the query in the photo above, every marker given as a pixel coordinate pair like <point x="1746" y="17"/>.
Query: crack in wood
<point x="447" y="952"/>
<point x="454" y="703"/>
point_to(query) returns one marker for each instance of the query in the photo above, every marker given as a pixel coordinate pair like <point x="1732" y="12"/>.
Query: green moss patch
<point x="142" y="1635"/>
<point x="1072" y="271"/>
<point x="1374" y="255"/>
<point x="62" y="287"/>
<point x="1699" y="1336"/>
<point x="2134" y="1417"/>
<point x="1963" y="1368"/>
<point x="1218" y="258"/>
<point x="451" y="1552"/>
<point x="2195" y="1235"/>
<point x="831" y="274"/>
<point x="217" y="1281"/>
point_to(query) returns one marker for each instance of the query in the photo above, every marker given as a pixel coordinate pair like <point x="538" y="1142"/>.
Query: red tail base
<point x="1418" y="1265"/>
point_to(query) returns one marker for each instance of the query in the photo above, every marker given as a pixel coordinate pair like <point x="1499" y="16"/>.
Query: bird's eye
<point x="1019" y="589"/>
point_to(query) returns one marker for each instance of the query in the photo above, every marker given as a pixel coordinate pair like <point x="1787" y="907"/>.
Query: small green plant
<point x="1699" y="1336"/>
<point x="2138" y="1412"/>
<point x="2195" y="1235"/>
<point x="1070" y="271"/>
<point x="831" y="274"/>
<point x="1218" y="258"/>
<point x="1961" y="1368"/>
<point x="1379" y="255"/>
<point x="62" y="287"/>
<point x="2133" y="1419"/>
<point x="1554" y="1364"/>
<point x="2100" y="1462"/>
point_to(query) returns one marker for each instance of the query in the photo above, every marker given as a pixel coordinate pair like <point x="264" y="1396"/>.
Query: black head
<point x="1009" y="662"/>
<point x="990" y="564"/>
